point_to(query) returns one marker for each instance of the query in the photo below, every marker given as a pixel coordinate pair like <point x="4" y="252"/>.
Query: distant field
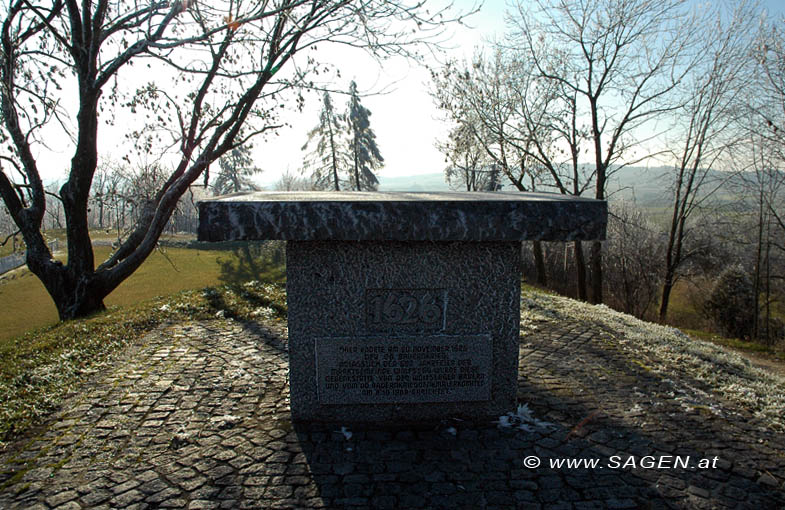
<point x="26" y="304"/>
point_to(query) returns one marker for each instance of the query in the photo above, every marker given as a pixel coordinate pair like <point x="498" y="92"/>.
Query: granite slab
<point x="396" y="216"/>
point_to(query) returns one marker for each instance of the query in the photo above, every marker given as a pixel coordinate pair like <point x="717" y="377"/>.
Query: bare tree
<point x="769" y="110"/>
<point x="292" y="182"/>
<point x="622" y="60"/>
<point x="54" y="206"/>
<point x="466" y="159"/>
<point x="478" y="98"/>
<point x="226" y="63"/>
<point x="8" y="230"/>
<point x="99" y="195"/>
<point x="550" y="133"/>
<point x="632" y="261"/>
<point x="765" y="184"/>
<point x="707" y="126"/>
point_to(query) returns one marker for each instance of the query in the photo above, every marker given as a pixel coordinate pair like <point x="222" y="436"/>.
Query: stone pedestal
<point x="402" y="306"/>
<point x="394" y="330"/>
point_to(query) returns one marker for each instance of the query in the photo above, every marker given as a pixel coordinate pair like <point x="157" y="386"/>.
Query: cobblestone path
<point x="196" y="417"/>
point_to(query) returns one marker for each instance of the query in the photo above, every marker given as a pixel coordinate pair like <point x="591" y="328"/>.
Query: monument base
<point x="402" y="330"/>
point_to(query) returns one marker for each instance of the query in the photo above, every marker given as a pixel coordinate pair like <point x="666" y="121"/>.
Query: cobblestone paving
<point x="196" y="417"/>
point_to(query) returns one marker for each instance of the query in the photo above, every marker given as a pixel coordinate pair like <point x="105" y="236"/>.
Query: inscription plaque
<point x="434" y="368"/>
<point x="405" y="310"/>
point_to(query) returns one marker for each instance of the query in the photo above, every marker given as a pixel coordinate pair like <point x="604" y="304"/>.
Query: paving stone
<point x="95" y="497"/>
<point x="163" y="495"/>
<point x="768" y="480"/>
<point x="181" y="377"/>
<point x="620" y="504"/>
<point x="71" y="505"/>
<point x="202" y="504"/>
<point x="61" y="498"/>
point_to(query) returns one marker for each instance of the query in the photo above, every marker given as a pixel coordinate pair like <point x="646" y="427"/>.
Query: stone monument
<point x="402" y="306"/>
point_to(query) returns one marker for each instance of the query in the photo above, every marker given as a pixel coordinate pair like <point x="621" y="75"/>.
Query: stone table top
<point x="397" y="216"/>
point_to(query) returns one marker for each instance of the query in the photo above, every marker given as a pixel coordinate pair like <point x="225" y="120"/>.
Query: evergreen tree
<point x="362" y="144"/>
<point x="328" y="156"/>
<point x="494" y="178"/>
<point x="235" y="171"/>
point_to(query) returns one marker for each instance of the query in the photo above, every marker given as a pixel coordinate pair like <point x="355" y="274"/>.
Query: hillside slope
<point x="195" y="414"/>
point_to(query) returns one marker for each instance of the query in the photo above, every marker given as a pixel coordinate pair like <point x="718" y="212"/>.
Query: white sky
<point x="405" y="120"/>
<point x="403" y="115"/>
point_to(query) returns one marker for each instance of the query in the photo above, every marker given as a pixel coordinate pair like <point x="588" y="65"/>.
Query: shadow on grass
<point x="255" y="261"/>
<point x="242" y="303"/>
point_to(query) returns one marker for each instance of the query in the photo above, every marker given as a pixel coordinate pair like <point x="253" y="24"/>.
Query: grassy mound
<point x="669" y="352"/>
<point x="39" y="368"/>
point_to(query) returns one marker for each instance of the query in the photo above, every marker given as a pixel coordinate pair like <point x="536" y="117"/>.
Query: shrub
<point x="731" y="305"/>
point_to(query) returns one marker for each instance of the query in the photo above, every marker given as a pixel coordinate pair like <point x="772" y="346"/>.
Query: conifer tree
<point x="362" y="144"/>
<point x="235" y="171"/>
<point x="328" y="156"/>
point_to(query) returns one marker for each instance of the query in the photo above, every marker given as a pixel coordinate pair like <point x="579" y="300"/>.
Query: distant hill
<point x="422" y="182"/>
<point x="647" y="187"/>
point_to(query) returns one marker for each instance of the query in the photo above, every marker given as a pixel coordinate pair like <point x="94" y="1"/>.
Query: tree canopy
<point x="215" y="68"/>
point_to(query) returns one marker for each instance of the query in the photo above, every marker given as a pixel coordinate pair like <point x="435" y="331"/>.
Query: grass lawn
<point x="26" y="305"/>
<point x="683" y="311"/>
<point x="6" y="249"/>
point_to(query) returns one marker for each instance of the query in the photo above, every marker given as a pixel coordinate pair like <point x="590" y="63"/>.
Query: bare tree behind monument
<point x="623" y="59"/>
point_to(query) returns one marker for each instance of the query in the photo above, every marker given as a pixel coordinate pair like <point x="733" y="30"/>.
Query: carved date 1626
<point x="412" y="309"/>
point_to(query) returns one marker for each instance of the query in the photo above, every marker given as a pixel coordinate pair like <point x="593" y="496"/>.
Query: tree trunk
<point x="580" y="266"/>
<point x="596" y="272"/>
<point x="667" y="287"/>
<point x="74" y="296"/>
<point x="595" y="260"/>
<point x="356" y="168"/>
<point x="334" y="156"/>
<point x="539" y="263"/>
<point x="81" y="301"/>
<point x="767" y="291"/>
<point x="758" y="257"/>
